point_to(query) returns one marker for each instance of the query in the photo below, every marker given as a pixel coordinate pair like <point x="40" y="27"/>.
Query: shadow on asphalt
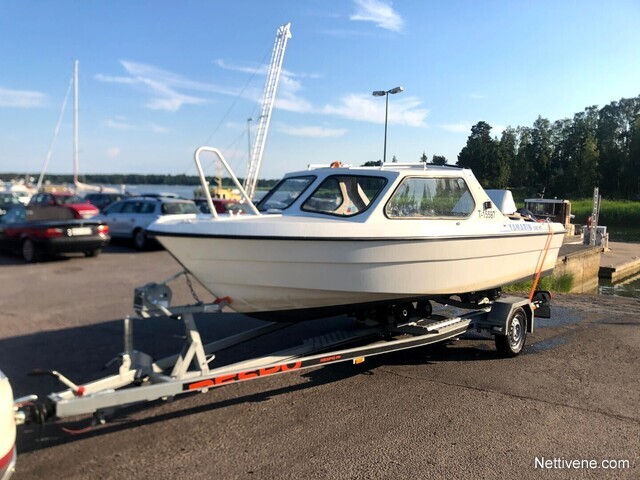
<point x="116" y="246"/>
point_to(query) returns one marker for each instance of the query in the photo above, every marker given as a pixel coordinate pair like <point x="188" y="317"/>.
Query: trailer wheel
<point x="29" y="251"/>
<point x="512" y="343"/>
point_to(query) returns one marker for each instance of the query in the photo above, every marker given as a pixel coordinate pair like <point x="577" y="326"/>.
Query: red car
<point x="80" y="208"/>
<point x="39" y="231"/>
<point x="221" y="205"/>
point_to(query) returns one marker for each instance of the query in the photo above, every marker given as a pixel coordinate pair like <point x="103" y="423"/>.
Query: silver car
<point x="130" y="218"/>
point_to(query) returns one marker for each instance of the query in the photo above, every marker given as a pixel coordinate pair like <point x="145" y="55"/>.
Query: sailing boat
<point x="79" y="187"/>
<point x="82" y="188"/>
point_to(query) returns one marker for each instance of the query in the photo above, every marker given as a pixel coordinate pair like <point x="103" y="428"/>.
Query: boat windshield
<point x="421" y="197"/>
<point x="344" y="195"/>
<point x="285" y="193"/>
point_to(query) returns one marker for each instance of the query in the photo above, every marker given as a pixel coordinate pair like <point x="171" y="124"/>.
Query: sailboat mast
<point x="75" y="124"/>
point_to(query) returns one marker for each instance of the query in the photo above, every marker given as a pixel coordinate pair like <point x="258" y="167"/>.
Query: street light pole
<point x="385" y="93"/>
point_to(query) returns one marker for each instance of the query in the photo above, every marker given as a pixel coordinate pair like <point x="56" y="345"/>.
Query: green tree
<point x="542" y="151"/>
<point x="479" y="154"/>
<point x="439" y="160"/>
<point x="506" y="158"/>
<point x="424" y="158"/>
<point x="523" y="161"/>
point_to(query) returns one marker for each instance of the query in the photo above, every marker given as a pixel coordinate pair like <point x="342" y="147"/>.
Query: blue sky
<point x="160" y="78"/>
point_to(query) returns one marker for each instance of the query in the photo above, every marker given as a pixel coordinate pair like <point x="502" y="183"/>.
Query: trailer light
<point x="358" y="360"/>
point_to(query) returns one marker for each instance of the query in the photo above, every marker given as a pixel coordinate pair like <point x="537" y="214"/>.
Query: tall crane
<point x="269" y="95"/>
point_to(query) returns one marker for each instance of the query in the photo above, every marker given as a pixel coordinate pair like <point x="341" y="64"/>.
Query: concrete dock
<point x="588" y="264"/>
<point x="620" y="261"/>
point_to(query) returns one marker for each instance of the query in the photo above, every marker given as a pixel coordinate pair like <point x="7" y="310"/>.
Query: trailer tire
<point x="512" y="343"/>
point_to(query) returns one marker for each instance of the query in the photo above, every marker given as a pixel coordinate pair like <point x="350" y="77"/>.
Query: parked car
<point x="102" y="200"/>
<point x="221" y="205"/>
<point x="36" y="232"/>
<point x="129" y="218"/>
<point x="9" y="198"/>
<point x="80" y="208"/>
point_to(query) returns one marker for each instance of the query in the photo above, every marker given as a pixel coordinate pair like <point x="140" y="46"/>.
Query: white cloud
<point x="311" y="131"/>
<point x="379" y="12"/>
<point x="260" y="69"/>
<point x="477" y="96"/>
<point x="113" y="152"/>
<point x="288" y="97"/>
<point x="166" y="89"/>
<point x="402" y="110"/>
<point x="121" y="124"/>
<point x="170" y="91"/>
<point x="21" y="98"/>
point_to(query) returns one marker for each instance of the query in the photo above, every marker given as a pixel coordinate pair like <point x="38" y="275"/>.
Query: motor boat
<point x="339" y="239"/>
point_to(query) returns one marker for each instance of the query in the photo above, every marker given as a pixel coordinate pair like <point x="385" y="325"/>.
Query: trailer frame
<point x="141" y="379"/>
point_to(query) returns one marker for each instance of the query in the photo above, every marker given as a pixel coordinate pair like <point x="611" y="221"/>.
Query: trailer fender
<point x="501" y="311"/>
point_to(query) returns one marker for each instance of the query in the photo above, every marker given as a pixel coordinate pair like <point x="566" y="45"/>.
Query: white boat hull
<point x="273" y="275"/>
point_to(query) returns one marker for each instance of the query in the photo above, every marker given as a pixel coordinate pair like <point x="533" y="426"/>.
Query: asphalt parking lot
<point x="448" y="411"/>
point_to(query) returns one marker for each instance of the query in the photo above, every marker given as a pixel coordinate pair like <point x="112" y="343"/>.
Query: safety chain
<point x="191" y="289"/>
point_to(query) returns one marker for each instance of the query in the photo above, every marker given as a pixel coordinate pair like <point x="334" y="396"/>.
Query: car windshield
<point x="67" y="199"/>
<point x="285" y="193"/>
<point x="178" y="208"/>
<point x="8" y="199"/>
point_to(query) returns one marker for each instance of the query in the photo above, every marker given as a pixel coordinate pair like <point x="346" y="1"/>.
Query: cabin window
<point x="344" y="195"/>
<point x="419" y="197"/>
<point x="285" y="193"/>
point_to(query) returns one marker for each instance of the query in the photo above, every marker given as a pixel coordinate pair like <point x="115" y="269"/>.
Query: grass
<point x="613" y="213"/>
<point x="560" y="284"/>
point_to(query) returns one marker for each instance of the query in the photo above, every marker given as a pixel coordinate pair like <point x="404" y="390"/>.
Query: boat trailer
<point x="141" y="379"/>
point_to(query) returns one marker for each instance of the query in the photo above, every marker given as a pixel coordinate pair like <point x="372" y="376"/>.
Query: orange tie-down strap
<point x="539" y="269"/>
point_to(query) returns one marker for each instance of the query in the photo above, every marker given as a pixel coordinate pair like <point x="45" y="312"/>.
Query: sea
<point x="184" y="191"/>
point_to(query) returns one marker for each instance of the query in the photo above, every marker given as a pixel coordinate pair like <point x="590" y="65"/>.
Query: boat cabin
<point x="558" y="211"/>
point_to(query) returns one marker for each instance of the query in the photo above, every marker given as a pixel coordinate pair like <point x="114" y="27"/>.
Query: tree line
<point x="566" y="158"/>
<point x="135" y="179"/>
